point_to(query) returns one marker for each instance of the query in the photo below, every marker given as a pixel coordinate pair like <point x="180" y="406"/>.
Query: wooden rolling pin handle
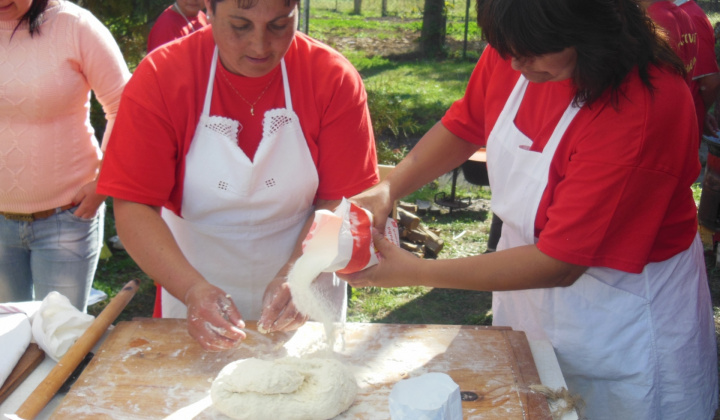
<point x="44" y="392"/>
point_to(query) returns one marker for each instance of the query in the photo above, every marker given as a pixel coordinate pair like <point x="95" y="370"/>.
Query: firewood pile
<point x="415" y="237"/>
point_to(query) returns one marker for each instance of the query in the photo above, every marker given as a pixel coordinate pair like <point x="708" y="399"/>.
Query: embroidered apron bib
<point x="241" y="218"/>
<point x="622" y="339"/>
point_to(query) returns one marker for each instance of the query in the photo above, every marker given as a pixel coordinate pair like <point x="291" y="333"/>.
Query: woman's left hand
<point x="279" y="313"/>
<point x="397" y="267"/>
<point x="89" y="201"/>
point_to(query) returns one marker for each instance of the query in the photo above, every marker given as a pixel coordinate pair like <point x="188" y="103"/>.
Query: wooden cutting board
<point x="152" y="368"/>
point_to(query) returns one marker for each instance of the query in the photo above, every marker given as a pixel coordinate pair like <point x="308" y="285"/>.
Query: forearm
<point x="150" y="243"/>
<point x="438" y="152"/>
<point x="524" y="267"/>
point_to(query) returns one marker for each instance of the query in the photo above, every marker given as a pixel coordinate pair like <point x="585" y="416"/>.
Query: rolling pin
<point x="44" y="392"/>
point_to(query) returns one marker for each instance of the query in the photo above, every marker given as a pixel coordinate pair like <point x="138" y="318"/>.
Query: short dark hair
<point x="611" y="37"/>
<point x="246" y="4"/>
<point x="33" y="16"/>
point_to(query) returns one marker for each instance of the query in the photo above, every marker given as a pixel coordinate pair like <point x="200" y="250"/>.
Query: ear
<point x="208" y="11"/>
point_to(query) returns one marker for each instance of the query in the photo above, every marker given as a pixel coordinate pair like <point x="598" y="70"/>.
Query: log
<point x="416" y="235"/>
<point x="423" y="206"/>
<point x="407" y="219"/>
<point x="412" y="208"/>
<point x="433" y="242"/>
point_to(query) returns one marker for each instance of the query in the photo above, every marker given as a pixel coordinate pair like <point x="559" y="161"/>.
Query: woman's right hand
<point x="377" y="200"/>
<point x="213" y="319"/>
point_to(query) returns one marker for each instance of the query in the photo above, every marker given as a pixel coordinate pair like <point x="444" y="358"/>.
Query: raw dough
<point x="289" y="388"/>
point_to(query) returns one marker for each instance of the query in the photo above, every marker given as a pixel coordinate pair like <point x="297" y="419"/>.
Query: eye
<point x="278" y="27"/>
<point x="240" y="27"/>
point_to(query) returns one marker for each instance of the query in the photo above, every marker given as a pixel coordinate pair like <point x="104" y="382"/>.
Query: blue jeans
<point x="59" y="253"/>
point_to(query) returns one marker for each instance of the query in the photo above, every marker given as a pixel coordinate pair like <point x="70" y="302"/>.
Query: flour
<point x="288" y="388"/>
<point x="307" y="297"/>
<point x="337" y="241"/>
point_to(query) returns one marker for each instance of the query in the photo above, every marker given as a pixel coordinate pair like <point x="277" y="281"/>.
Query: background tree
<point x="432" y="38"/>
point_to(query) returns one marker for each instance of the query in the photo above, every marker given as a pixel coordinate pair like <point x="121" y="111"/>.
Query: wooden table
<point x="151" y="369"/>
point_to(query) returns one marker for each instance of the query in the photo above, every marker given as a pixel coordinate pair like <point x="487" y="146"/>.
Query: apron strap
<point x="211" y="79"/>
<point x="286" y="86"/>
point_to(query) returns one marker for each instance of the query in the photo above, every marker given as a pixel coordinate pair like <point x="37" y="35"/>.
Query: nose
<point x="259" y="43"/>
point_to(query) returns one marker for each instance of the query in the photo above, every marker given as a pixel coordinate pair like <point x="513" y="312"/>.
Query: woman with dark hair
<point x="52" y="54"/>
<point x="238" y="132"/>
<point x="591" y="152"/>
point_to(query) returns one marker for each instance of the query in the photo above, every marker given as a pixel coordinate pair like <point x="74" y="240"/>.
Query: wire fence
<point x="399" y="8"/>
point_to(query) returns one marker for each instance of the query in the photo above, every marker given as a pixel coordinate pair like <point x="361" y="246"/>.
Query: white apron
<point x="634" y="346"/>
<point x="241" y="218"/>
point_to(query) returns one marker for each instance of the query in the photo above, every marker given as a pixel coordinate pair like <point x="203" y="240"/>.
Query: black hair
<point x="246" y="4"/>
<point x="33" y="16"/>
<point x="611" y="37"/>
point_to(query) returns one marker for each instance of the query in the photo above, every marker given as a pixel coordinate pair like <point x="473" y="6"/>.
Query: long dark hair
<point x="246" y="4"/>
<point x="611" y="37"/>
<point x="33" y="16"/>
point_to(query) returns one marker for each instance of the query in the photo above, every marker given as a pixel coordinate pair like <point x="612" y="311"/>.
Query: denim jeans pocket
<point x="82" y="237"/>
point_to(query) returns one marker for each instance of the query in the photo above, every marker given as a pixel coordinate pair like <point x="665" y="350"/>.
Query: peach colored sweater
<point x="48" y="149"/>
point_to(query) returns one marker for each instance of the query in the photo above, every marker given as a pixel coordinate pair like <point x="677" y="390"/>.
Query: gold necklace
<point x="252" y="105"/>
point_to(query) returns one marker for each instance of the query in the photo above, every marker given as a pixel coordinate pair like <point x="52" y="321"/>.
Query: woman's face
<point x="251" y="42"/>
<point x="190" y="8"/>
<point x="14" y="9"/>
<point x="551" y="67"/>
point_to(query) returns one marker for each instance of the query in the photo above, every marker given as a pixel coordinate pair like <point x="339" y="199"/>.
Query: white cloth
<point x="242" y="218"/>
<point x="15" y="335"/>
<point x="634" y="346"/>
<point x="53" y="323"/>
<point x="58" y="324"/>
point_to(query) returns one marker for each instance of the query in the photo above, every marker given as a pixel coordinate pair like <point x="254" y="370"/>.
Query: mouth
<point x="256" y="60"/>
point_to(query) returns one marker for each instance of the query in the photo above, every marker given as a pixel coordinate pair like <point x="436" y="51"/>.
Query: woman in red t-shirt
<point x="226" y="141"/>
<point x="591" y="152"/>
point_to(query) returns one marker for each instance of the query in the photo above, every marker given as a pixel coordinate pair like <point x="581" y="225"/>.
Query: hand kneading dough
<point x="288" y="388"/>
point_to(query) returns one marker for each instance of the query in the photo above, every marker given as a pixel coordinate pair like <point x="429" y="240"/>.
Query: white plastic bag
<point x="345" y="236"/>
<point x="57" y="324"/>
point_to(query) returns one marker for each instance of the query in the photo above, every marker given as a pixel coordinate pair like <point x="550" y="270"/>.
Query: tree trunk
<point x="432" y="38"/>
<point x="357" y="6"/>
<point x="383" y="11"/>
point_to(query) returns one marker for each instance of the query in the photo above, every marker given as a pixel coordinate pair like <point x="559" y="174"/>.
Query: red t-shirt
<point x="162" y="103"/>
<point x="618" y="192"/>
<point x="681" y="32"/>
<point x="170" y="25"/>
<point x="706" y="61"/>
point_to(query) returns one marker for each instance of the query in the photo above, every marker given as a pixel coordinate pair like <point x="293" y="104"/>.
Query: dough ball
<point x="289" y="388"/>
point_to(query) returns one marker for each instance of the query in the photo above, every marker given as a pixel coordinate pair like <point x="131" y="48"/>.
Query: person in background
<point x="599" y="252"/>
<point x="52" y="54"/>
<point x="680" y="30"/>
<point x="706" y="76"/>
<point x="238" y="132"/>
<point x="181" y="18"/>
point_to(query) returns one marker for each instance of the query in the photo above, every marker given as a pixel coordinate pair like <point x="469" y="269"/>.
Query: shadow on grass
<point x="444" y="306"/>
